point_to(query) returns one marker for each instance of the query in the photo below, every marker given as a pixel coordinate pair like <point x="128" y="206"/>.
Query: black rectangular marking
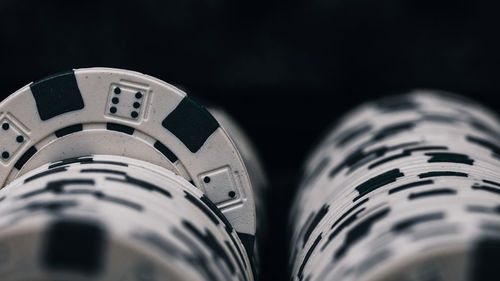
<point x="50" y="206"/>
<point x="191" y="124"/>
<point x="442" y="174"/>
<point x="103" y="171"/>
<point x="435" y="192"/>
<point x="105" y="163"/>
<point x="492" y="182"/>
<point x="306" y="224"/>
<point x="308" y="255"/>
<point x="410" y="185"/>
<point x="392" y="130"/>
<point x="81" y="160"/>
<point x="45" y="173"/>
<point x="56" y="95"/>
<point x="396" y="103"/>
<point x="74" y="245"/>
<point x="490" y="227"/>
<point x="377" y="182"/>
<point x="68" y="130"/>
<point x="423" y="148"/>
<point x="449" y="157"/>
<point x="34" y="193"/>
<point x="120" y="128"/>
<point x="494" y="210"/>
<point x="25" y="157"/>
<point x="439" y="118"/>
<point x="484" y="259"/>
<point x="404" y="144"/>
<point x="319" y="216"/>
<point x="165" y="151"/>
<point x="486" y="188"/>
<point x="410" y="222"/>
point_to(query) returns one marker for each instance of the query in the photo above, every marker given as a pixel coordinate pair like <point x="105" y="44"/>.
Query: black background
<point x="283" y="69"/>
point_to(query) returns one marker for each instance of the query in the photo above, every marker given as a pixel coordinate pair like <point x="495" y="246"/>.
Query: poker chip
<point x="121" y="213"/>
<point x="404" y="188"/>
<point x="128" y="170"/>
<point x="118" y="112"/>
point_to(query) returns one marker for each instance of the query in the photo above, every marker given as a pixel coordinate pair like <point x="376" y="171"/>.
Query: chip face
<point x="405" y="188"/>
<point x="118" y="112"/>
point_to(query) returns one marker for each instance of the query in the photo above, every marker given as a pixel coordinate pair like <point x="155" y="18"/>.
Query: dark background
<point x="283" y="69"/>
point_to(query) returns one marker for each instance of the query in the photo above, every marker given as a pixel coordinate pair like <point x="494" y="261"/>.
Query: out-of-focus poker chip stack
<point x="404" y="188"/>
<point x="110" y="174"/>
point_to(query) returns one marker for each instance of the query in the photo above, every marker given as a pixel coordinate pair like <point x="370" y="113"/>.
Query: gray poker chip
<point x="404" y="188"/>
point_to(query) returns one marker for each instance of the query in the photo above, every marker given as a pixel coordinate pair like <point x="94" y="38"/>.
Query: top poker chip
<point x="118" y="112"/>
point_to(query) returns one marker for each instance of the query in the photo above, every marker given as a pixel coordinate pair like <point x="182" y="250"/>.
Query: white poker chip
<point x="118" y="112"/>
<point x="109" y="206"/>
<point x="152" y="174"/>
<point x="405" y="188"/>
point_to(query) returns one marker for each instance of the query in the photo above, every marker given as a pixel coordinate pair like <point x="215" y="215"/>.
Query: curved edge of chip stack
<point x="403" y="188"/>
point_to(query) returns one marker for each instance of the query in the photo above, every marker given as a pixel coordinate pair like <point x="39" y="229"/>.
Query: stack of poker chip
<point x="109" y="174"/>
<point x="404" y="188"/>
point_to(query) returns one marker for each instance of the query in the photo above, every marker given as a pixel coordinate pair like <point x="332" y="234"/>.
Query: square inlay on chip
<point x="126" y="101"/>
<point x="219" y="185"/>
<point x="12" y="138"/>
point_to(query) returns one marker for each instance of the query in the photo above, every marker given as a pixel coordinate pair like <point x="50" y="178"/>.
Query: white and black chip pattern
<point x="118" y="112"/>
<point x="108" y="217"/>
<point x="404" y="188"/>
<point x="165" y="190"/>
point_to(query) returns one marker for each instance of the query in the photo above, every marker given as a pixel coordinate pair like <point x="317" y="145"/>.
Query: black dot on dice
<point x="19" y="139"/>
<point x="206" y="179"/>
<point x="137" y="105"/>
<point x="112" y="109"/>
<point x="5" y="155"/>
<point x="5" y="126"/>
<point x="231" y="194"/>
<point x="115" y="100"/>
<point x="117" y="90"/>
<point x="134" y="114"/>
<point x="138" y="95"/>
